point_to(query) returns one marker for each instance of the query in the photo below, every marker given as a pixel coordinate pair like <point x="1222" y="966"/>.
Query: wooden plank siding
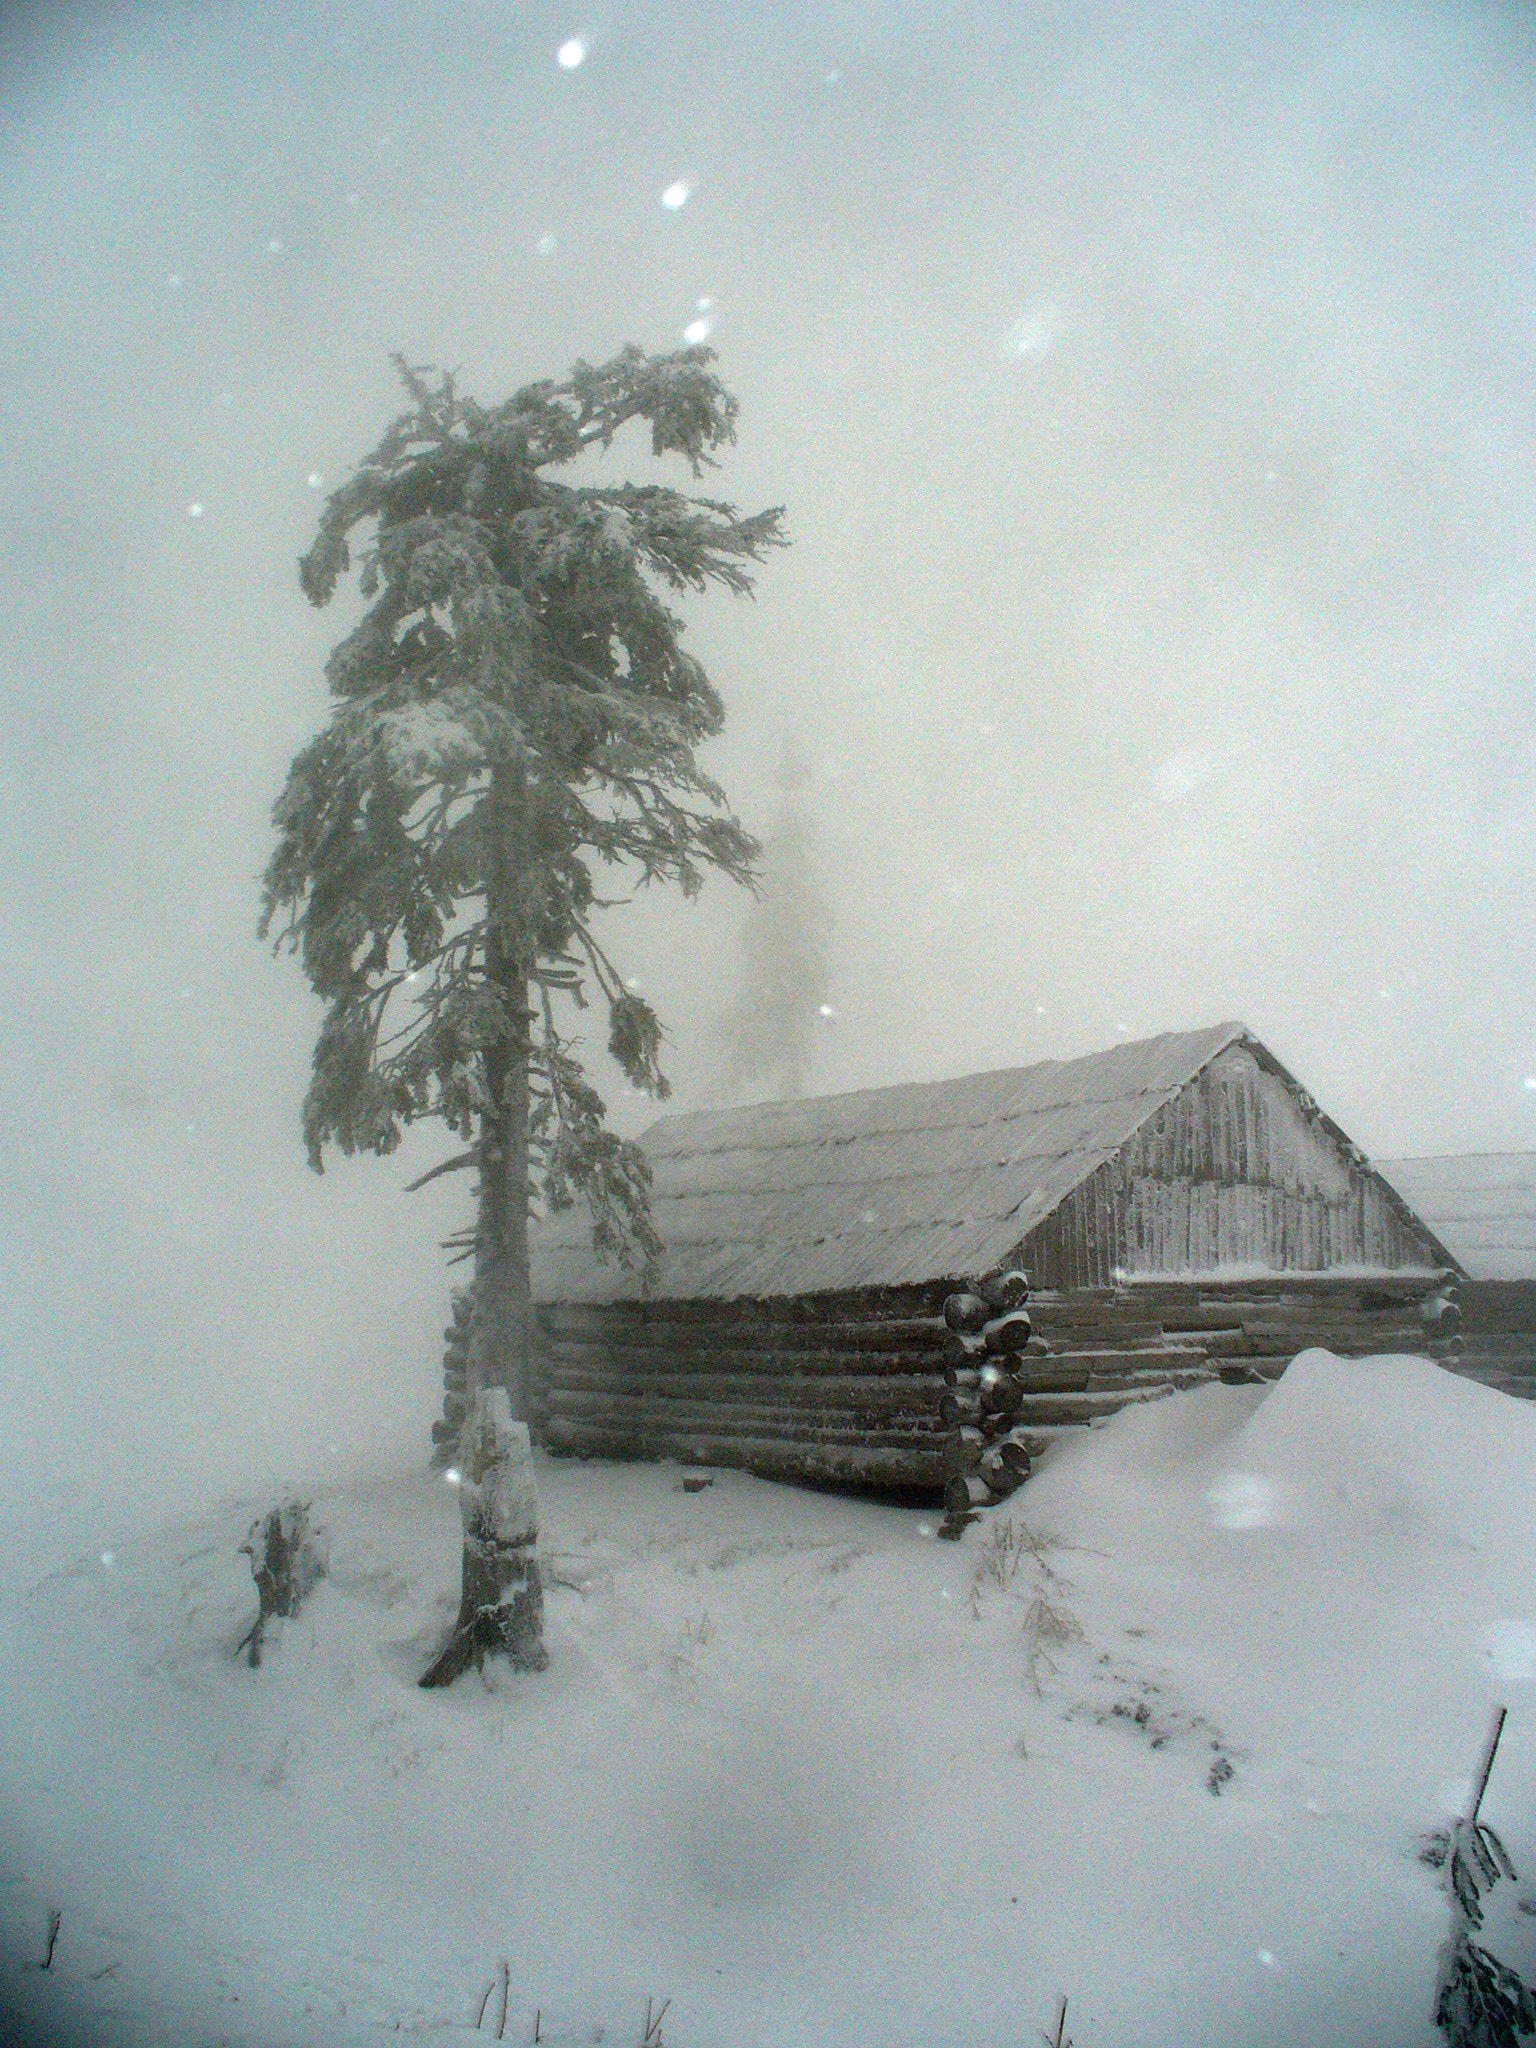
<point x="1233" y="1171"/>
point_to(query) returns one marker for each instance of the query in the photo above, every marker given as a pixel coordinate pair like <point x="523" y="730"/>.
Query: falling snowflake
<point x="194" y="510"/>
<point x="676" y="195"/>
<point x="1035" y="332"/>
<point x="1183" y="773"/>
<point x="571" y="53"/>
<point x="1508" y="1652"/>
<point x="697" y="331"/>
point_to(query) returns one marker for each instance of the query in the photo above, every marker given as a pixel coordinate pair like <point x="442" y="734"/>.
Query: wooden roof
<point x="1481" y="1204"/>
<point x="885" y="1186"/>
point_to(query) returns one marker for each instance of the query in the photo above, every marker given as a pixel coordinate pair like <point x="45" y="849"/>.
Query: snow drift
<point x="1165" y="1739"/>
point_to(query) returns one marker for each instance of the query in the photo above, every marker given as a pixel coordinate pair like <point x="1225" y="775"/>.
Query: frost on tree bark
<point x="501" y="1604"/>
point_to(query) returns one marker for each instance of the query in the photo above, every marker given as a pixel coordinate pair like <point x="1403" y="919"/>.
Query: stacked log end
<point x="988" y="1335"/>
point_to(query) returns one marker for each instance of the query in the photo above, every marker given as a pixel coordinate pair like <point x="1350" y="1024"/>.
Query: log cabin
<point x="1184" y="1209"/>
<point x="1483" y="1206"/>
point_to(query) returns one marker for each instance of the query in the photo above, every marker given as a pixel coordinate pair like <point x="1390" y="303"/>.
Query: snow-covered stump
<point x="285" y="1563"/>
<point x="501" y="1606"/>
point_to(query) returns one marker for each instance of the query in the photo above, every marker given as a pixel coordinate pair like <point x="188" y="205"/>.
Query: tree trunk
<point x="502" y="1354"/>
<point x="501" y="1600"/>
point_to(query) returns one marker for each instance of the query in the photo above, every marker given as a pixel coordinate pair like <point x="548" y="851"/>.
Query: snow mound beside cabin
<point x="1394" y="1441"/>
<point x="1334" y="1540"/>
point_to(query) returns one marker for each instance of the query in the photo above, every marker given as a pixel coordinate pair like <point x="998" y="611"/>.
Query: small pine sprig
<point x="1480" y="2002"/>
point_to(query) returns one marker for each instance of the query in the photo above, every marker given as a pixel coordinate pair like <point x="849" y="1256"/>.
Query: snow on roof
<point x="1482" y="1205"/>
<point x="885" y="1186"/>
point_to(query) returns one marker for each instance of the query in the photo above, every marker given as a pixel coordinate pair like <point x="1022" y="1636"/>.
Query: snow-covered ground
<point x="1163" y="1737"/>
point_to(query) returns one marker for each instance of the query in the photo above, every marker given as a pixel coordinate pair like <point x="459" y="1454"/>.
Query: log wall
<point x="847" y="1388"/>
<point x="822" y="1387"/>
<point x="1498" y="1335"/>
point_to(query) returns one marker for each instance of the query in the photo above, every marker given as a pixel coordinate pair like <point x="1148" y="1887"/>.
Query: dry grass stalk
<point x="1061" y="2038"/>
<point x="651" y="2038"/>
<point x="1046" y="1628"/>
<point x="502" y="1981"/>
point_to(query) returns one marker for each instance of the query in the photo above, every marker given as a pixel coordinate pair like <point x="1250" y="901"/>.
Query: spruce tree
<point x="514" y="719"/>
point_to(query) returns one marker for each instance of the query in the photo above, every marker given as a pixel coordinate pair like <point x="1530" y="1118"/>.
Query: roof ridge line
<point x="1227" y="1031"/>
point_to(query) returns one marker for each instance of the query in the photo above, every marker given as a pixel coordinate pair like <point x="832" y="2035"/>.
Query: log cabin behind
<point x="1483" y="1206"/>
<point x="1184" y="1209"/>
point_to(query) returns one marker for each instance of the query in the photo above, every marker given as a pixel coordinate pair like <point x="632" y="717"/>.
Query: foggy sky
<point x="1150" y="395"/>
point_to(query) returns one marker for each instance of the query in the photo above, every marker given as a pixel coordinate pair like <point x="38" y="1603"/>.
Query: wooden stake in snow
<point x="1059" y="2038"/>
<point x="1485" y="1767"/>
<point x="501" y="1605"/>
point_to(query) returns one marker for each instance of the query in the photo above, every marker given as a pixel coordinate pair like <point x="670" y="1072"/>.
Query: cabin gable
<point x="1240" y="1173"/>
